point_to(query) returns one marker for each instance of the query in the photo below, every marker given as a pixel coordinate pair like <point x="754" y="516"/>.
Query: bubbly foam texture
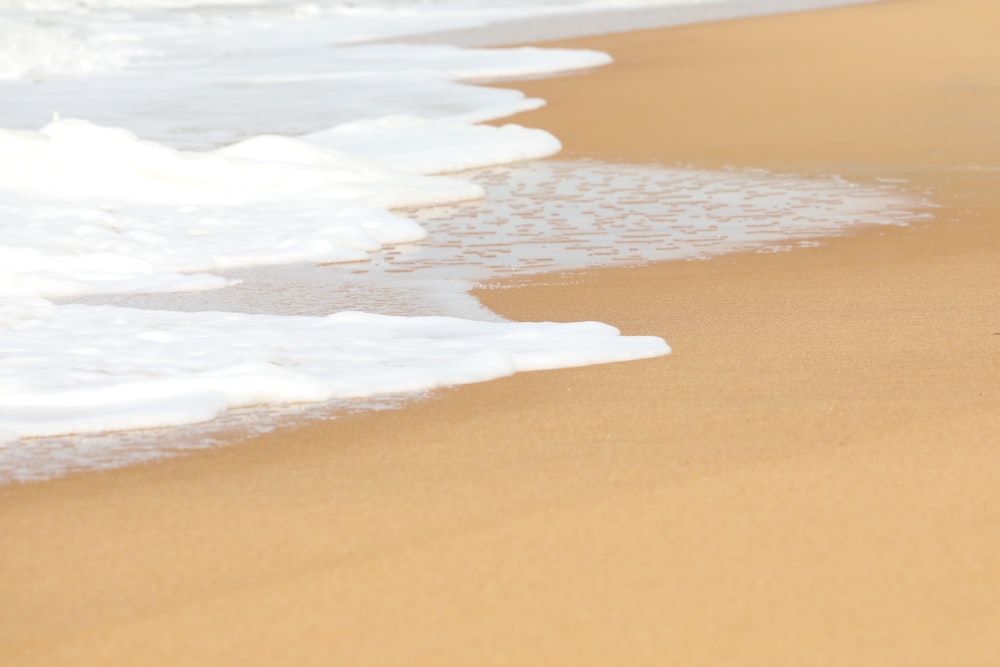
<point x="561" y="215"/>
<point x="82" y="369"/>
<point x="100" y="209"/>
<point x="421" y="146"/>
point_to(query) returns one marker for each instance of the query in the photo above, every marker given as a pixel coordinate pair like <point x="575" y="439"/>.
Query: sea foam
<point x="98" y="209"/>
<point x="196" y="143"/>
<point x="80" y="369"/>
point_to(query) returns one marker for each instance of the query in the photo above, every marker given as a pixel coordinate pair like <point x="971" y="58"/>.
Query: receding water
<point x="543" y="216"/>
<point x="560" y="215"/>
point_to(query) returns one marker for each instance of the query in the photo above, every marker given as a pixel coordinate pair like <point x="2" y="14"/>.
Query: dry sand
<point x="812" y="478"/>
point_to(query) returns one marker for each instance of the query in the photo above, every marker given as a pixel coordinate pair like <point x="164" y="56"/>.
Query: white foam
<point x="187" y="169"/>
<point x="79" y="369"/>
<point x="31" y="48"/>
<point x="215" y="98"/>
<point x="423" y="146"/>
<point x="99" y="210"/>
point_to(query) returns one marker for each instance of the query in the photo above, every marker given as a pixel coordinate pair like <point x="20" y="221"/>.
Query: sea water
<point x="207" y="208"/>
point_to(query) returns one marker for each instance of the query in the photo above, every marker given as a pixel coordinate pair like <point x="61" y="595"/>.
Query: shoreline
<point x="809" y="477"/>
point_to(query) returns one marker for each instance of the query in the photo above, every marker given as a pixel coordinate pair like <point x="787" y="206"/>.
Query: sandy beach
<point x="810" y="478"/>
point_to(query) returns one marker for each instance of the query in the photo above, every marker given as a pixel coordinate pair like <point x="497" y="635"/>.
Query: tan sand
<point x="811" y="479"/>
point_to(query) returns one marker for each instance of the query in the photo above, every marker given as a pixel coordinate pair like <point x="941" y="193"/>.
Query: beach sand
<point x="811" y="478"/>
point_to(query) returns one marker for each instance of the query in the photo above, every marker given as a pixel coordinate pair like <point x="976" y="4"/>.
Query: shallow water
<point x="538" y="217"/>
<point x="558" y="215"/>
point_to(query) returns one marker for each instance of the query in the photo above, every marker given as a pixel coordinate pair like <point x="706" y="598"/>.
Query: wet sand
<point x="811" y="477"/>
